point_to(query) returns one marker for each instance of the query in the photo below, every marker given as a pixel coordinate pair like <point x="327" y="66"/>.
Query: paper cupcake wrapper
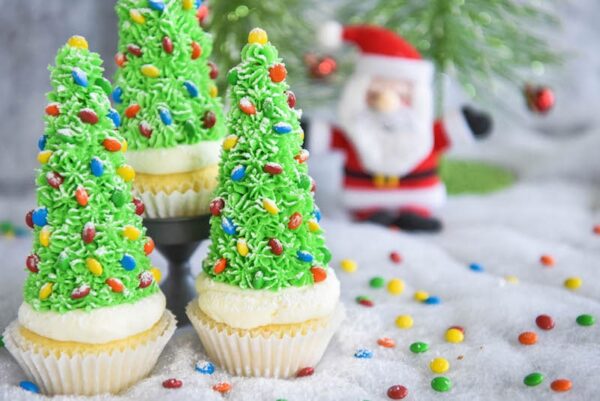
<point x="242" y="353"/>
<point x="175" y="204"/>
<point x="87" y="373"/>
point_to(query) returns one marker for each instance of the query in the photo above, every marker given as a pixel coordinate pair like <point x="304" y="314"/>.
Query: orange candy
<point x="597" y="229"/>
<point x="132" y="110"/>
<point x="277" y="72"/>
<point x="120" y="59"/>
<point x="319" y="274"/>
<point x="561" y="385"/>
<point x="220" y="266"/>
<point x="247" y="107"/>
<point x="81" y="196"/>
<point x="149" y="246"/>
<point x="547" y="260"/>
<point x="53" y="109"/>
<point x="115" y="284"/>
<point x="196" y="50"/>
<point x="295" y="221"/>
<point x="386" y="342"/>
<point x="528" y="338"/>
<point x="222" y="387"/>
<point x="111" y="144"/>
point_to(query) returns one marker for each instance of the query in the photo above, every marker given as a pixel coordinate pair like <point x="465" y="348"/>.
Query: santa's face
<point x="389" y="121"/>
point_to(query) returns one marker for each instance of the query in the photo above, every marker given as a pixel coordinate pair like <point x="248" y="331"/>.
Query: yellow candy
<point x="313" y="226"/>
<point x="156" y="273"/>
<point x="395" y="286"/>
<point x="573" y="283"/>
<point x="136" y="16"/>
<point x="124" y="146"/>
<point x="512" y="279"/>
<point x="270" y="206"/>
<point x="150" y="71"/>
<point x="302" y="135"/>
<point x="348" y="265"/>
<point x="44" y="156"/>
<point x="45" y="291"/>
<point x="421" y="295"/>
<point x="404" y="321"/>
<point x="78" y="42"/>
<point x="230" y="142"/>
<point x="188" y="4"/>
<point x="242" y="247"/>
<point x="45" y="236"/>
<point x="126" y="172"/>
<point x="214" y="91"/>
<point x="130" y="232"/>
<point x="454" y="336"/>
<point x="94" y="266"/>
<point x="439" y="365"/>
<point x="259" y="36"/>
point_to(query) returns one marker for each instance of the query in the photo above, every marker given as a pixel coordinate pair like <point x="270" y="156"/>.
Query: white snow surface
<point x="551" y="210"/>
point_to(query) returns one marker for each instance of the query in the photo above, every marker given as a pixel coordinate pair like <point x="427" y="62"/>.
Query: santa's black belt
<point x="408" y="177"/>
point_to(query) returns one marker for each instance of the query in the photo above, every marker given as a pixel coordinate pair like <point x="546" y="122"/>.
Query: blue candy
<point x="42" y="142"/>
<point x="228" y="226"/>
<point x="238" y="173"/>
<point x="282" y="128"/>
<point x="157" y="5"/>
<point x="128" y="262"/>
<point x="317" y="214"/>
<point x="205" y="367"/>
<point x="433" y="300"/>
<point x="115" y="117"/>
<point x="198" y="3"/>
<point x="29" y="386"/>
<point x="97" y="167"/>
<point x="165" y="116"/>
<point x="191" y="88"/>
<point x="40" y="216"/>
<point x="116" y="95"/>
<point x="79" y="76"/>
<point x="363" y="354"/>
<point x="305" y="256"/>
<point x="476" y="267"/>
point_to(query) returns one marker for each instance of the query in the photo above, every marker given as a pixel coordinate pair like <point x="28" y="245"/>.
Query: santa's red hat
<point x="382" y="51"/>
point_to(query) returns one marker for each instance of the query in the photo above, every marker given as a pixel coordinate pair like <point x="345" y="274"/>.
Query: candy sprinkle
<point x="454" y="336"/>
<point x="586" y="320"/>
<point x="29" y="386"/>
<point x="573" y="283"/>
<point x="395" y="286"/>
<point x="308" y="371"/>
<point x="238" y="173"/>
<point x="81" y="196"/>
<point x="348" y="265"/>
<point x="222" y="387"/>
<point x="421" y="295"/>
<point x="441" y="384"/>
<point x="172" y="383"/>
<point x="547" y="260"/>
<point x="258" y="36"/>
<point x="79" y="77"/>
<point x="533" y="379"/>
<point x="433" y="300"/>
<point x="377" y="282"/>
<point x="544" y="322"/>
<point x="386" y="342"/>
<point x="419" y="347"/>
<point x="404" y="321"/>
<point x="191" y="88"/>
<point x="365" y="301"/>
<point x="397" y="392"/>
<point x="205" y="367"/>
<point x="78" y="42"/>
<point x="476" y="267"/>
<point x="561" y="385"/>
<point x="150" y="71"/>
<point x="439" y="365"/>
<point x="528" y="338"/>
<point x="395" y="257"/>
<point x="363" y="353"/>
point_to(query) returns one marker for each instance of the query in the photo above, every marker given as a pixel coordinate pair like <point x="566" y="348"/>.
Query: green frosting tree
<point x="264" y="230"/>
<point x="164" y="84"/>
<point x="89" y="247"/>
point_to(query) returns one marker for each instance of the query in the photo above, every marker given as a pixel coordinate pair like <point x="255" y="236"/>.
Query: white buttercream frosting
<point x="97" y="326"/>
<point x="180" y="159"/>
<point x="248" y="309"/>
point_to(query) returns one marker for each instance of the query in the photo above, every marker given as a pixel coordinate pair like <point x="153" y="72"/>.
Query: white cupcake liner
<point x="90" y="373"/>
<point x="176" y="204"/>
<point x="259" y="355"/>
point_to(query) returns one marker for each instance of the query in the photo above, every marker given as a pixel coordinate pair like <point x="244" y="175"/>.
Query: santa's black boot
<point x="414" y="222"/>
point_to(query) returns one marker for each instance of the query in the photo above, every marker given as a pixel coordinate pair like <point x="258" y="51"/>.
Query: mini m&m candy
<point x="247" y="106"/>
<point x="585" y="320"/>
<point x="307" y="371"/>
<point x="45" y="236"/>
<point x="157" y="5"/>
<point x="363" y="353"/>
<point x="114" y="117"/>
<point x="209" y="120"/>
<point x="117" y="95"/>
<point x="220" y="266"/>
<point x="573" y="283"/>
<point x="165" y="116"/>
<point x="533" y="379"/>
<point x="88" y="116"/>
<point x="29" y="219"/>
<point x="377" y="282"/>
<point x="196" y="50"/>
<point x="140" y="208"/>
<point x="441" y="384"/>
<point x="156" y="273"/>
<point x="216" y="206"/>
<point x="80" y="292"/>
<point x="39" y="216"/>
<point x="273" y="168"/>
<point x="276" y="246"/>
<point x="45" y="291"/>
<point x="191" y="88"/>
<point x="528" y="338"/>
<point x="295" y="221"/>
<point x="79" y="77"/>
<point x="222" y="387"/>
<point x="187" y="4"/>
<point x="282" y="128"/>
<point x="228" y="226"/>
<point x="544" y="322"/>
<point x="78" y="42"/>
<point x="150" y="71"/>
<point x="348" y="265"/>
<point x="149" y="246"/>
<point x="277" y="72"/>
<point x="386" y="342"/>
<point x="319" y="274"/>
<point x="131" y="233"/>
<point x="229" y="142"/>
<point x="42" y="142"/>
<point x="54" y="179"/>
<point x="242" y="247"/>
<point x="88" y="233"/>
<point x="213" y="70"/>
<point x="111" y="144"/>
<point x="258" y="36"/>
<point x="126" y="172"/>
<point x="94" y="266"/>
<point x="167" y="45"/>
<point x="238" y="173"/>
<point x="115" y="284"/>
<point x="397" y="392"/>
<point x="136" y="16"/>
<point x="204" y="367"/>
<point x="146" y="278"/>
<point x="547" y="260"/>
<point x="404" y="321"/>
<point x="32" y="262"/>
<point x="419" y="347"/>
<point x="433" y="300"/>
<point x="395" y="257"/>
<point x="270" y="206"/>
<point x="476" y="267"/>
<point x="420" y="295"/>
<point x="132" y="110"/>
<point x="29" y="386"/>
<point x="395" y="286"/>
<point x="145" y="129"/>
<point x="97" y="167"/>
<point x="172" y="383"/>
<point x="561" y="385"/>
<point x="305" y="256"/>
<point x="454" y="335"/>
<point x="439" y="365"/>
<point x="120" y="59"/>
<point x="53" y="109"/>
<point x="128" y="262"/>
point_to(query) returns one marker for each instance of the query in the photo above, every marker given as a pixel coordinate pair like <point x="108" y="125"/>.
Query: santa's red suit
<point x="385" y="126"/>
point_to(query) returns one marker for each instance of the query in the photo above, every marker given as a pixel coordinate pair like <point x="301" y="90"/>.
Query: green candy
<point x="105" y="85"/>
<point x="232" y="77"/>
<point x="377" y="282"/>
<point x="119" y="198"/>
<point x="586" y="320"/>
<point x="419" y="347"/>
<point x="441" y="384"/>
<point x="533" y="379"/>
<point x="1" y="341"/>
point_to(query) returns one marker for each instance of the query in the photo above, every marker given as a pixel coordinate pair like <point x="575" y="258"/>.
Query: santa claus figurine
<point x="386" y="129"/>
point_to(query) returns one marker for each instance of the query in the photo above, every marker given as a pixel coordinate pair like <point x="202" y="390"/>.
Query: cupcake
<point x="268" y="302"/>
<point x="93" y="319"/>
<point x="166" y="96"/>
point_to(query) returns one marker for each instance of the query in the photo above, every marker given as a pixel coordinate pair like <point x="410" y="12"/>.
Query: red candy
<point x="544" y="322"/>
<point x="561" y="385"/>
<point x="88" y="116"/>
<point x="395" y="257"/>
<point x="291" y="100"/>
<point x="276" y="246"/>
<point x="32" y="263"/>
<point x="80" y="292"/>
<point x="277" y="72"/>
<point x="140" y="208"/>
<point x="397" y="392"/>
<point x="167" y="45"/>
<point x="596" y="229"/>
<point x="111" y="144"/>
<point x="88" y="233"/>
<point x="220" y="266"/>
<point x="115" y="284"/>
<point x="134" y="50"/>
<point x="196" y="50"/>
<point x="53" y="109"/>
<point x="145" y="129"/>
<point x="308" y="371"/>
<point x="149" y="246"/>
<point x="120" y="59"/>
<point x="247" y="107"/>
<point x="319" y="274"/>
<point x="214" y="71"/>
<point x="273" y="168"/>
<point x="366" y="302"/>
<point x="146" y="279"/>
<point x="295" y="221"/>
<point x="81" y="196"/>
<point x="29" y="219"/>
<point x="132" y="110"/>
<point x="216" y="206"/>
<point x="222" y="387"/>
<point x="54" y="179"/>
<point x="209" y="119"/>
<point x="172" y="383"/>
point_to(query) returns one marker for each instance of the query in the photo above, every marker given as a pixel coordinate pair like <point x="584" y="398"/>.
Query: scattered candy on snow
<point x="205" y="367"/>
<point x="441" y="384"/>
<point x="172" y="383"/>
<point x="365" y="301"/>
<point x="348" y="265"/>
<point x="528" y="338"/>
<point x="585" y="320"/>
<point x="29" y="386"/>
<point x="386" y="342"/>
<point x="377" y="282"/>
<point x="544" y="322"/>
<point x="363" y="353"/>
<point x="222" y="387"/>
<point x="308" y="371"/>
<point x="573" y="283"/>
<point x="439" y="365"/>
<point x="395" y="286"/>
<point x="547" y="260"/>
<point x="420" y="295"/>
<point x="404" y="321"/>
<point x="433" y="300"/>
<point x="533" y="379"/>
<point x="397" y="392"/>
<point x="561" y="385"/>
<point x="476" y="267"/>
<point x="454" y="335"/>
